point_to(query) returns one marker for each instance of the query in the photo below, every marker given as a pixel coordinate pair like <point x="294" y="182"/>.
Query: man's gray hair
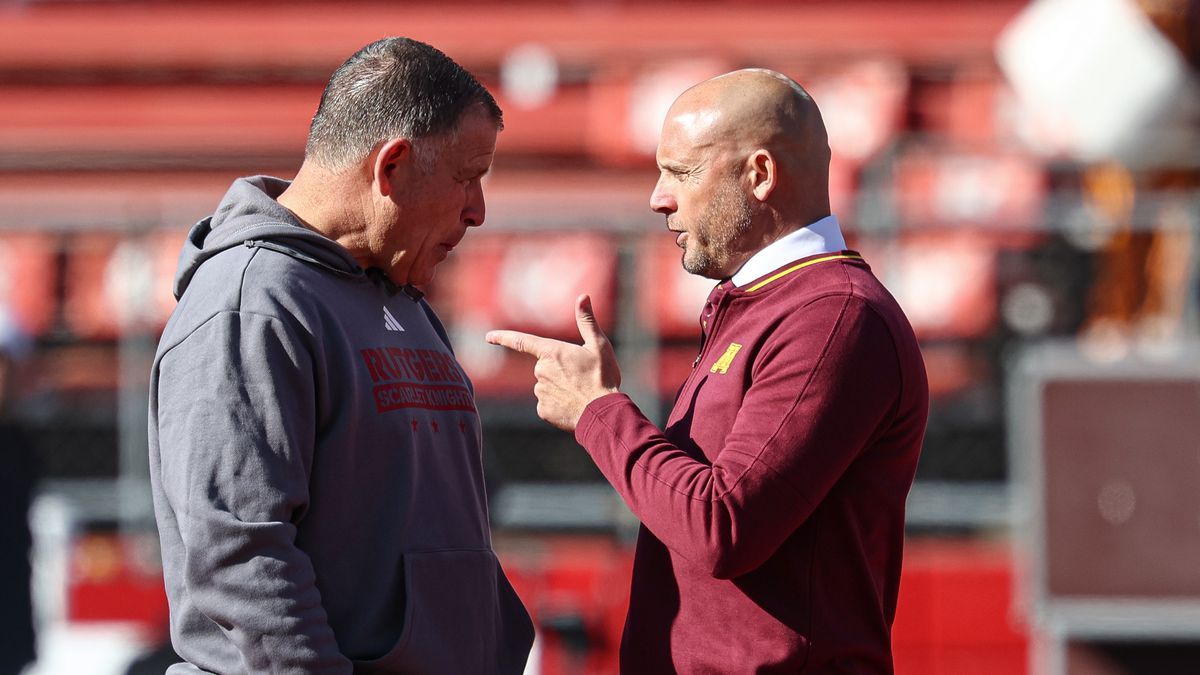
<point x="396" y="87"/>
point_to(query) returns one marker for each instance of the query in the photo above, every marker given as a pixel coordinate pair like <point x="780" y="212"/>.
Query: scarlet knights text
<point x="416" y="378"/>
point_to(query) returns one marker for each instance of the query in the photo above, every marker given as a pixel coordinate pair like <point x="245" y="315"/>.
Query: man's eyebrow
<point x="670" y="165"/>
<point x="477" y="172"/>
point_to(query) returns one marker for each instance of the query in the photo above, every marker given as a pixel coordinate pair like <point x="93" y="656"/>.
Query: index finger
<point x="521" y="342"/>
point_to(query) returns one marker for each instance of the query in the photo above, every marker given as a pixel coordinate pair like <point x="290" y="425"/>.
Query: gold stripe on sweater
<point x="764" y="282"/>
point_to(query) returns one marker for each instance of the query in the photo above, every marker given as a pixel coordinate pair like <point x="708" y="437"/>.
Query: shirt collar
<point x="823" y="236"/>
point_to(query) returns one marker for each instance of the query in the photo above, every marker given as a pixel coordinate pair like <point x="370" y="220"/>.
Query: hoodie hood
<point x="249" y="215"/>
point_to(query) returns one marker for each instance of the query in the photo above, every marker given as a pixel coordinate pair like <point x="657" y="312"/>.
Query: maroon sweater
<point x="772" y="507"/>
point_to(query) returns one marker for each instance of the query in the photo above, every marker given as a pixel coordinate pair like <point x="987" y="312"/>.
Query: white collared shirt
<point x="823" y="236"/>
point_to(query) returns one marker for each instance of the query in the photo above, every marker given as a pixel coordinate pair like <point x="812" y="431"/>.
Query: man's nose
<point x="661" y="200"/>
<point x="475" y="209"/>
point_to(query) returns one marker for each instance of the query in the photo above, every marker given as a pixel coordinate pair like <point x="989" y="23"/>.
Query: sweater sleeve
<point x="236" y="428"/>
<point x="821" y="388"/>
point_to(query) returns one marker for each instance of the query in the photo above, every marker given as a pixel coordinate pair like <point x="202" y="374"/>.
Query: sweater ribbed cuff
<point x="593" y="410"/>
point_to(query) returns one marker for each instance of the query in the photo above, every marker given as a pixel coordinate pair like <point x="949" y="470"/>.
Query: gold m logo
<point x="722" y="364"/>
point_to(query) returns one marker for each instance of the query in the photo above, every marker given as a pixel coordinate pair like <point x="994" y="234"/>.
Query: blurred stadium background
<point x="1024" y="177"/>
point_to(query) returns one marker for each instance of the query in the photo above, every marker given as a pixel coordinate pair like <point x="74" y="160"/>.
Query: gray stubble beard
<point x="729" y="217"/>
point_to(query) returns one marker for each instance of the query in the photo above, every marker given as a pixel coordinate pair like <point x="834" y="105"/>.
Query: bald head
<point x="743" y="160"/>
<point x="753" y="109"/>
<point x="755" y="106"/>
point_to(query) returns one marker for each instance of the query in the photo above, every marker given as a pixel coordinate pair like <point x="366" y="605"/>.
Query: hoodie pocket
<point x="461" y="616"/>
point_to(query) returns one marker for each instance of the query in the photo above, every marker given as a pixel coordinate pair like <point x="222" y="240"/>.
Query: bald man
<point x="772" y="504"/>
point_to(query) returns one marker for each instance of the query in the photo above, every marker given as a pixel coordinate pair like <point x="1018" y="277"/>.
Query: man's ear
<point x="393" y="157"/>
<point x="763" y="173"/>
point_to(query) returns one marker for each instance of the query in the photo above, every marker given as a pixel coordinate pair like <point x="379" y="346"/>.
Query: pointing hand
<point x="569" y="376"/>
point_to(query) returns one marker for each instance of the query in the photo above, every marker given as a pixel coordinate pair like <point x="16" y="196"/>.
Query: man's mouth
<point x="680" y="234"/>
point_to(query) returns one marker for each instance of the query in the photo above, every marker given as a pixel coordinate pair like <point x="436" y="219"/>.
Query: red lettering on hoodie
<point x="374" y="363"/>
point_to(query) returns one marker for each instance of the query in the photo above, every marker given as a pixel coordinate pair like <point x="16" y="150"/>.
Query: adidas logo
<point x="390" y="322"/>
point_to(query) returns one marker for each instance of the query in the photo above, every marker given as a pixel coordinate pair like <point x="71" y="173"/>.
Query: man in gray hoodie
<point x="314" y="445"/>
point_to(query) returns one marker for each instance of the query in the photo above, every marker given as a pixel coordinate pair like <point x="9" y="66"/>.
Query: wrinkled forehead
<point x="689" y="129"/>
<point x="693" y="120"/>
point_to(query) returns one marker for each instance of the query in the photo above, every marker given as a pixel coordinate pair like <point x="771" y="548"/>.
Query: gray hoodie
<point x="315" y="462"/>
